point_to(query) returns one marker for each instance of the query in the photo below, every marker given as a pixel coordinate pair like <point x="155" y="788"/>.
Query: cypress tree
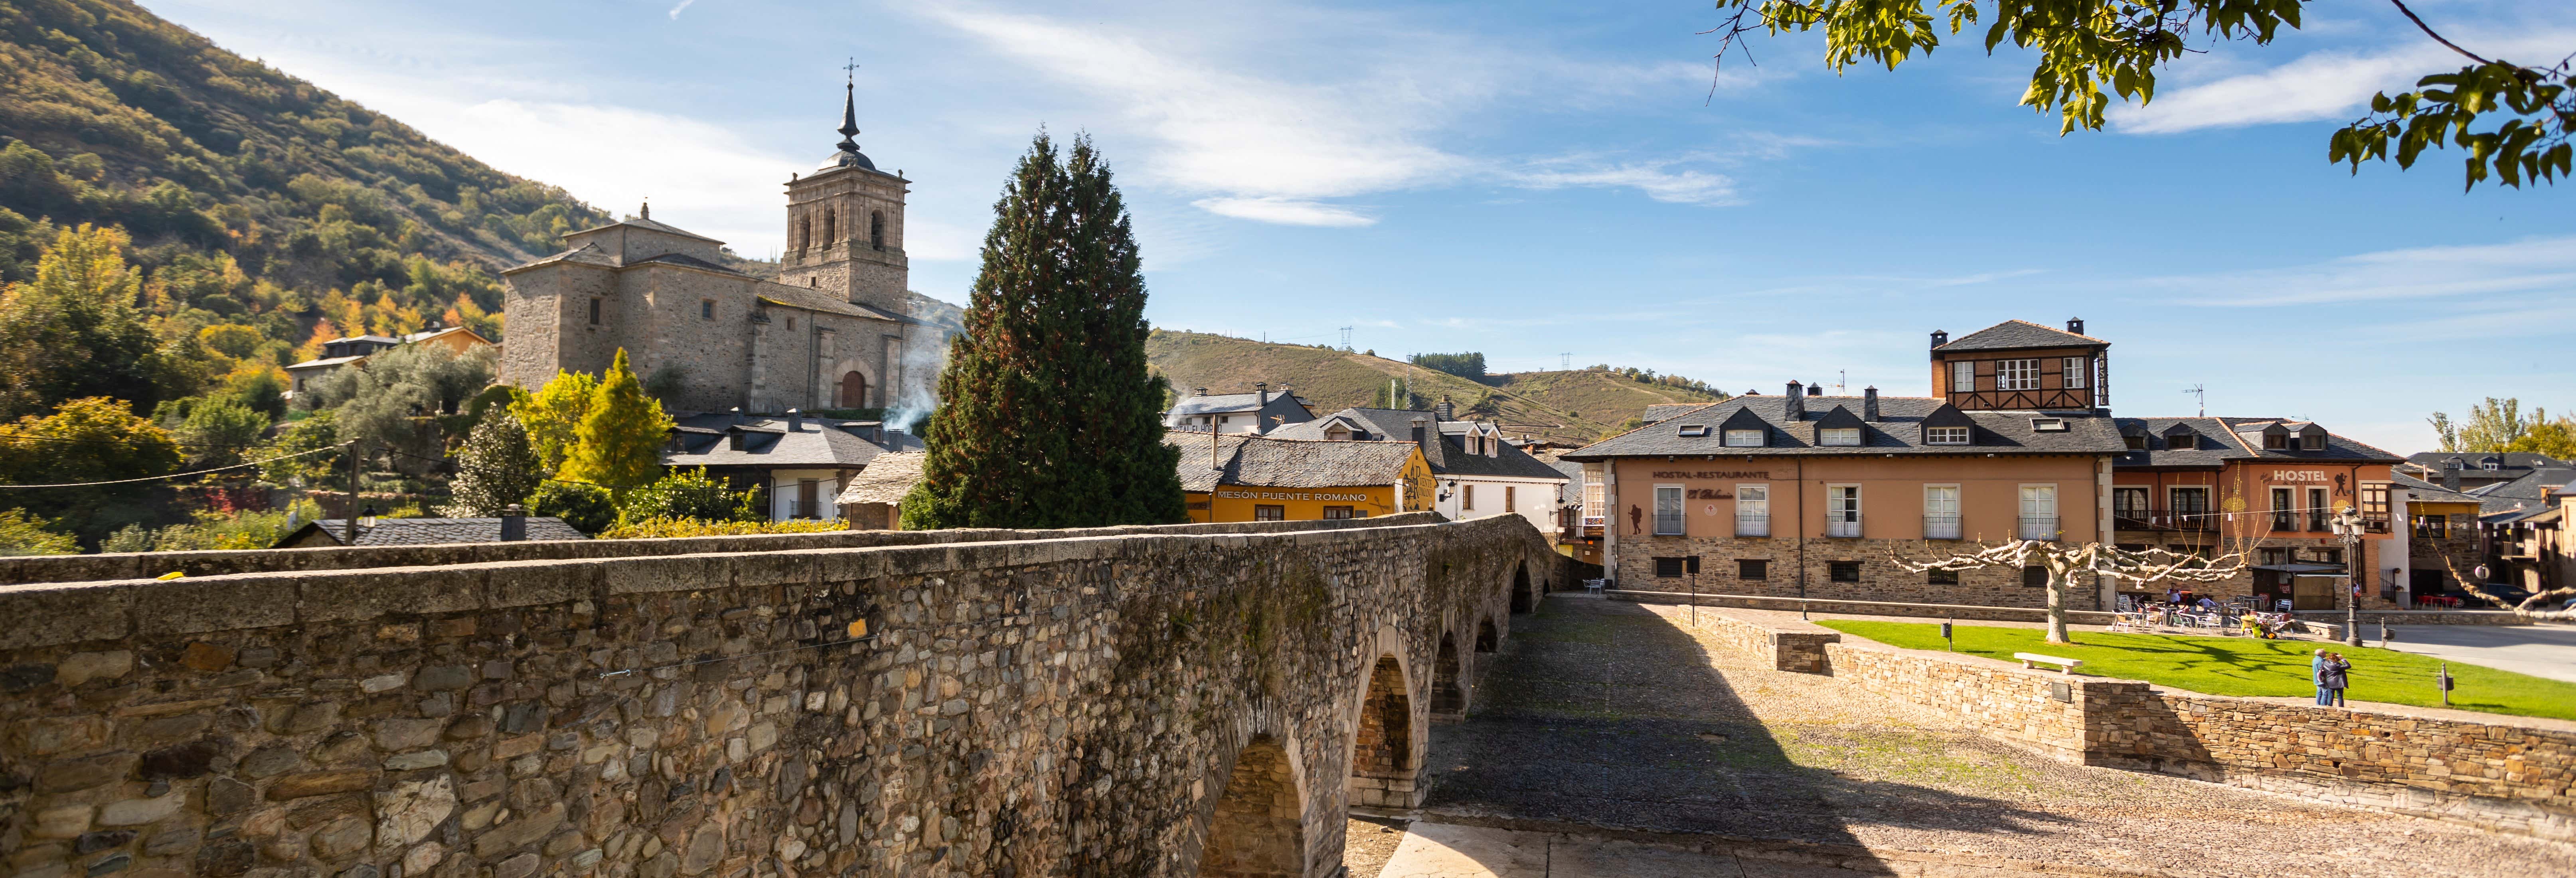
<point x="1048" y="416"/>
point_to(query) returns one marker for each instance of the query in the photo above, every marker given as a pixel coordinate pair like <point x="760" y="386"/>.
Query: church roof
<point x="586" y="254"/>
<point x="648" y="223"/>
<point x="812" y="299"/>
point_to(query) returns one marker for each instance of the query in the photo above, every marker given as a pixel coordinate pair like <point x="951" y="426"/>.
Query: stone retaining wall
<point x="2370" y="619"/>
<point x="2504" y="775"/>
<point x="1781" y="649"/>
<point x="1068" y="706"/>
<point x="1862" y="607"/>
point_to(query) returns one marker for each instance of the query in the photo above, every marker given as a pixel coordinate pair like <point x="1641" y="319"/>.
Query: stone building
<point x="1476" y="470"/>
<point x="837" y="329"/>
<point x="1817" y="496"/>
<point x="1260" y="411"/>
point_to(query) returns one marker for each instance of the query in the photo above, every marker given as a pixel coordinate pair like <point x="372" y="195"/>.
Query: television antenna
<point x="2201" y="394"/>
<point x="1841" y="376"/>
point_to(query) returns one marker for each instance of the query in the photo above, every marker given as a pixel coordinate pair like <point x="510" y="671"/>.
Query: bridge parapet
<point x="1098" y="704"/>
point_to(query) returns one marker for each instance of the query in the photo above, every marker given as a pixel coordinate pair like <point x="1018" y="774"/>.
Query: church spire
<point x="849" y="112"/>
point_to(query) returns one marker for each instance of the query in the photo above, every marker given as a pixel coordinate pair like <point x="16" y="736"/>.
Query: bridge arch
<point x="1386" y="743"/>
<point x="1448" y="697"/>
<point x="1524" y="598"/>
<point x="1487" y="638"/>
<point x="1257" y="828"/>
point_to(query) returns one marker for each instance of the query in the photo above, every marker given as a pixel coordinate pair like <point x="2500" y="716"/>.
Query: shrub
<point x="22" y="534"/>
<point x="689" y="493"/>
<point x="585" y="507"/>
<point x="652" y="528"/>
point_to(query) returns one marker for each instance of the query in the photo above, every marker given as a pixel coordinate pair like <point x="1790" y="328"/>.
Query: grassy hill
<point x="1576" y="406"/>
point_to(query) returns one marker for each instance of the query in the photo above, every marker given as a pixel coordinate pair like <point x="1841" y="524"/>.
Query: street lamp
<point x="2347" y="528"/>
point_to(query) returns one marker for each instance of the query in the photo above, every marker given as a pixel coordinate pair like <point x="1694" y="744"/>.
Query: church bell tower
<point x="845" y="225"/>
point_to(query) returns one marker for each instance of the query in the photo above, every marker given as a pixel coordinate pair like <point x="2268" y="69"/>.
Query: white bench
<point x="2034" y="660"/>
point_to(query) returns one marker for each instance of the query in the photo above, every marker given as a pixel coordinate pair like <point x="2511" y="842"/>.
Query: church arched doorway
<point x="1258" y="828"/>
<point x="854" y="392"/>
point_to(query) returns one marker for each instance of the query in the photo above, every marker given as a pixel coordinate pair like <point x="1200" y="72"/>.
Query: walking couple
<point x="2332" y="674"/>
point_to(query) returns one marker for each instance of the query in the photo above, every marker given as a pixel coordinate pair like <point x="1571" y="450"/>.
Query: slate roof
<point x="1197" y="472"/>
<point x="812" y="299"/>
<point x="822" y="443"/>
<point x="1664" y="411"/>
<point x="1228" y="404"/>
<point x="433" y="531"/>
<point x="2523" y="493"/>
<point x="647" y="223"/>
<point x="2427" y="492"/>
<point x="328" y="361"/>
<point x="2337" y="447"/>
<point x="2508" y="463"/>
<point x="1899" y="430"/>
<point x="586" y="254"/>
<point x="2018" y="334"/>
<point x="1265" y="462"/>
<point x="1447" y="457"/>
<point x="887" y="479"/>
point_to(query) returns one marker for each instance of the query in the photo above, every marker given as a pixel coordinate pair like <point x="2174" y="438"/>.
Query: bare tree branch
<point x="2428" y="31"/>
<point x="2530" y="606"/>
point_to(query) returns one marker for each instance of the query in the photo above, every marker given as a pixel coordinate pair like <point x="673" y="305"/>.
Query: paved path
<point x="1435" y="850"/>
<point x="1613" y="714"/>
<point x="2539" y="650"/>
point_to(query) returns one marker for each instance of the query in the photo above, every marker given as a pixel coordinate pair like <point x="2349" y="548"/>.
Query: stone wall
<point x="2506" y="774"/>
<point x="1873" y="608"/>
<point x="149" y="565"/>
<point x="1801" y="651"/>
<point x="1879" y="577"/>
<point x="1067" y="706"/>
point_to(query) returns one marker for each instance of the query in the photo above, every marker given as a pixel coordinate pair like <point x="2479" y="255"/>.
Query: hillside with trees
<point x="1571" y="406"/>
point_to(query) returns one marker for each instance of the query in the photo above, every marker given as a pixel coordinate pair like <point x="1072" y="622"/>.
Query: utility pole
<point x="349" y="523"/>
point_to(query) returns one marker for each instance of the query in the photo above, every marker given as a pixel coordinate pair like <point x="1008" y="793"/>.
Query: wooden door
<point x="854" y="391"/>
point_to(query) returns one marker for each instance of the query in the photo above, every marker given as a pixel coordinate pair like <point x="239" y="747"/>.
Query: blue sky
<point x="1535" y="180"/>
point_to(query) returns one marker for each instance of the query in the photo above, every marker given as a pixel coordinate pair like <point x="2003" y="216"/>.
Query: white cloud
<point x="1360" y="115"/>
<point x="1285" y="211"/>
<point x="2538" y="265"/>
<point x="2333" y="85"/>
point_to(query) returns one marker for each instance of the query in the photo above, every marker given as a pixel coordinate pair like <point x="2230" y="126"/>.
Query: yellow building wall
<point x="1235" y="503"/>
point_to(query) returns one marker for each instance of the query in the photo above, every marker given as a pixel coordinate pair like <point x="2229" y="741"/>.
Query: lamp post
<point x="2347" y="528"/>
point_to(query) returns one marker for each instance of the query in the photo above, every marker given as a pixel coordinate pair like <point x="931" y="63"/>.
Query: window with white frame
<point x="1963" y="376"/>
<point x="2038" y="512"/>
<point x="2076" y="367"/>
<point x="1945" y="435"/>
<point x="1838" y="436"/>
<point x="1668" y="510"/>
<point x="1743" y="438"/>
<point x="1753" y="510"/>
<point x="1842" y="510"/>
<point x="2016" y="374"/>
<point x="1940" y="512"/>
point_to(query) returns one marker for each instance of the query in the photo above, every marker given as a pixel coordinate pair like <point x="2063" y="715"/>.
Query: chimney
<point x="1940" y="337"/>
<point x="1422" y="436"/>
<point x="2451" y="474"/>
<point x="1198" y="391"/>
<point x="795" y="420"/>
<point x="737" y="416"/>
<point x="1816" y="389"/>
<point x="514" y="524"/>
<point x="1263" y="388"/>
<point x="1797" y="407"/>
<point x="1869" y="404"/>
<point x="2075" y="325"/>
<point x="1448" y="411"/>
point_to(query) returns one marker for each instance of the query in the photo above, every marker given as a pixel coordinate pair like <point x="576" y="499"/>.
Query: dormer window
<point x="2048" y="425"/>
<point x="1945" y="435"/>
<point x="1841" y="436"/>
<point x="1694" y="429"/>
<point x="2135" y="441"/>
<point x="2182" y="441"/>
<point x="2276" y="441"/>
<point x="1743" y="439"/>
<point x="2312" y="443"/>
<point x="2490" y="464"/>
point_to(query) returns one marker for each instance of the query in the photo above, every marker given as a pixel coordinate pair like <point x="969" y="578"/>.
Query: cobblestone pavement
<point x="1615" y="714"/>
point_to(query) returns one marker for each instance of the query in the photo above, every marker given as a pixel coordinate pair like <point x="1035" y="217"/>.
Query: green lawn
<point x="2245" y="666"/>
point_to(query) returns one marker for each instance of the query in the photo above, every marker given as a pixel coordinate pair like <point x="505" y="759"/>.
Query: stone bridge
<point x="1197" y="699"/>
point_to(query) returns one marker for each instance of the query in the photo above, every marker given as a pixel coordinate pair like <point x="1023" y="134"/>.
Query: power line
<point x="189" y="473"/>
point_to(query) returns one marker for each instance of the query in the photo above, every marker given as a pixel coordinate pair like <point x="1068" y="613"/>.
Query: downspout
<point x="1802" y="529"/>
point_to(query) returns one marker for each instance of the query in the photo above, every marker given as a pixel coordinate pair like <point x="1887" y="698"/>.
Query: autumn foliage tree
<point x="618" y="445"/>
<point x="1048" y="416"/>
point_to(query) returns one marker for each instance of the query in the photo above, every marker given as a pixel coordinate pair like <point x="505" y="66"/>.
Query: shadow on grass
<point x="1603" y="713"/>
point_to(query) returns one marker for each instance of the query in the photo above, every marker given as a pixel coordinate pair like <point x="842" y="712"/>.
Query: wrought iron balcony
<point x="1756" y="525"/>
<point x="2040" y="527"/>
<point x="1842" y="524"/>
<point x="1940" y="527"/>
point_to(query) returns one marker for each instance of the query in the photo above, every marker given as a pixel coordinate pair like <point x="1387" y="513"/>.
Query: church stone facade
<point x="836" y="330"/>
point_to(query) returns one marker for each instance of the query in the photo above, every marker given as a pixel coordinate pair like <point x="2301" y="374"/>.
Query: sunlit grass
<point x="2245" y="666"/>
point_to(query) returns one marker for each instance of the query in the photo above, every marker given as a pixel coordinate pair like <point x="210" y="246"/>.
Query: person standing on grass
<point x="2335" y="677"/>
<point x="2317" y="675"/>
